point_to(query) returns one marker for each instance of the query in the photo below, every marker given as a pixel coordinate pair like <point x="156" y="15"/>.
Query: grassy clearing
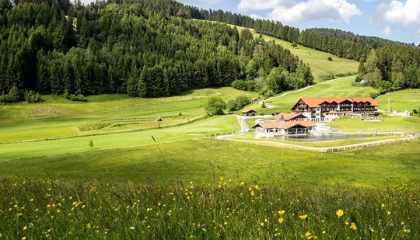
<point x="317" y="60"/>
<point x="58" y="117"/>
<point x="202" y="160"/>
<point x="221" y="124"/>
<point x="404" y="100"/>
<point x="223" y="210"/>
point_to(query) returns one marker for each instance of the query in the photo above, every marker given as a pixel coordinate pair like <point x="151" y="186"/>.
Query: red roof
<point x="365" y="99"/>
<point x="287" y="116"/>
<point x="284" y="125"/>
<point x="316" y="102"/>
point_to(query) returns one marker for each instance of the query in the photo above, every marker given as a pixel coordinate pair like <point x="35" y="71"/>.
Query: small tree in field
<point x="215" y="106"/>
<point x="330" y="59"/>
<point x="263" y="105"/>
<point x="91" y="145"/>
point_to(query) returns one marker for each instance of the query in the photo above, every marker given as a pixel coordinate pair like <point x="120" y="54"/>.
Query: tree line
<point x="395" y="68"/>
<point x="391" y="67"/>
<point x="143" y="48"/>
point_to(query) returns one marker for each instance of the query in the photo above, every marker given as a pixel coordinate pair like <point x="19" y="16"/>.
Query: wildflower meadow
<point x="226" y="209"/>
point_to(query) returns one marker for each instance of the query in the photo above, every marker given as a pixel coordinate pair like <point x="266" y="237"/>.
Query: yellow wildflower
<point x="340" y="212"/>
<point x="24" y="228"/>
<point x="23" y="238"/>
<point x="280" y="220"/>
<point x="303" y="217"/>
<point x="281" y="212"/>
<point x="308" y="235"/>
<point x="353" y="226"/>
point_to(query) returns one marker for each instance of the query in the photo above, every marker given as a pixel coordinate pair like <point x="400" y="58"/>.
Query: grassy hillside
<point x="58" y="117"/>
<point x="404" y="100"/>
<point x="317" y="60"/>
<point x="202" y="160"/>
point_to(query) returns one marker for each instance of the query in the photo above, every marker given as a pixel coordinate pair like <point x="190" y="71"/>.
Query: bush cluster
<point x="215" y="106"/>
<point x="32" y="97"/>
<point x="75" y="97"/>
<point x="238" y="103"/>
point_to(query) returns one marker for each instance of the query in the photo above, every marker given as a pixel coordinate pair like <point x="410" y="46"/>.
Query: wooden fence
<point x="328" y="149"/>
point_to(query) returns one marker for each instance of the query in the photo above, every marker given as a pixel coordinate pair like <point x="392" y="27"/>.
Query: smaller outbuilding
<point x="249" y="113"/>
<point x="274" y="128"/>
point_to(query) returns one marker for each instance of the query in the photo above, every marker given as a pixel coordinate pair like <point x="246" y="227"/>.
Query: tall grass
<point x="45" y="209"/>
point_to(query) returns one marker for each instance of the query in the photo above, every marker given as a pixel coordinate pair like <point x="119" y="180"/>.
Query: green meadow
<point x="404" y="100"/>
<point x="60" y="118"/>
<point x="108" y="169"/>
<point x="202" y="160"/>
<point x="223" y="209"/>
<point x="317" y="60"/>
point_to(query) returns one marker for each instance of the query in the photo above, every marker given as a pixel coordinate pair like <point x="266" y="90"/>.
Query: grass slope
<point x="203" y="160"/>
<point x="220" y="124"/>
<point x="58" y="117"/>
<point x="404" y="100"/>
<point x="317" y="60"/>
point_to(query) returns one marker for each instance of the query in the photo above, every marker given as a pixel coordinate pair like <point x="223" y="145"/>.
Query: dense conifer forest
<point x="391" y="67"/>
<point x="152" y="48"/>
<point x="142" y="48"/>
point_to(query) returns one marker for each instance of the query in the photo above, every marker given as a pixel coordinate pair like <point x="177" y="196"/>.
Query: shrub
<point x="375" y="94"/>
<point x="330" y="59"/>
<point x="239" y="103"/>
<point x="215" y="106"/>
<point x="73" y="97"/>
<point x="13" y="96"/>
<point x="263" y="105"/>
<point x="294" y="45"/>
<point x="32" y="97"/>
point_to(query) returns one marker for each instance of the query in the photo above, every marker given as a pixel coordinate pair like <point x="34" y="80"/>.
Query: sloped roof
<point x="249" y="111"/>
<point x="288" y="116"/>
<point x="365" y="99"/>
<point x="316" y="102"/>
<point x="284" y="125"/>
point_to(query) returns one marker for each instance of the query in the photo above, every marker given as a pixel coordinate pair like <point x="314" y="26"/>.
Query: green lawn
<point x="58" y="117"/>
<point x="199" y="129"/>
<point x="201" y="160"/>
<point x="404" y="100"/>
<point x="388" y="124"/>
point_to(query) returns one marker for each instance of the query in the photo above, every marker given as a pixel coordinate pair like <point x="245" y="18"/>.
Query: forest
<point x="153" y="48"/>
<point x="391" y="67"/>
<point x="54" y="47"/>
